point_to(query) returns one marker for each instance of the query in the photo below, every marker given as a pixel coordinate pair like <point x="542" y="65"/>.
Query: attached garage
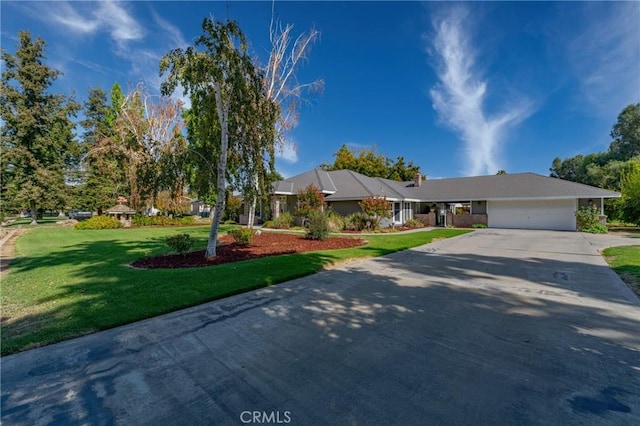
<point x="533" y="214"/>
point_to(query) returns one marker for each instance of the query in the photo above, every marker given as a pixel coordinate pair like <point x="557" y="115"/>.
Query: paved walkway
<point x="494" y="327"/>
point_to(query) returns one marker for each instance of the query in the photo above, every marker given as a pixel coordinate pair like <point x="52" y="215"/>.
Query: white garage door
<point x="537" y="214"/>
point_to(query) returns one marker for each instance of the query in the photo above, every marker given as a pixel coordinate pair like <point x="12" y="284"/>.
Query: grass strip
<point x="625" y="260"/>
<point x="66" y="283"/>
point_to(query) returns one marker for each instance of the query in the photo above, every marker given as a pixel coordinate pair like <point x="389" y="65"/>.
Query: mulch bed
<point x="263" y="245"/>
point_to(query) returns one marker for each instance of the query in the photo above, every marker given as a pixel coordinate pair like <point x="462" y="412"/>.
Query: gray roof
<point x="341" y="185"/>
<point x="349" y="185"/>
<point x="120" y="209"/>
<point x="508" y="186"/>
<point x="293" y="185"/>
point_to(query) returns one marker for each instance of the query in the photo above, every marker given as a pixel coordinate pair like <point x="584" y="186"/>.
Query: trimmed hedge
<point x="99" y="222"/>
<point x="140" y="220"/>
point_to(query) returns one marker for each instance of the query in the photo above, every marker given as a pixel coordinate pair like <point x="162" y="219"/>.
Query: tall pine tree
<point x="38" y="149"/>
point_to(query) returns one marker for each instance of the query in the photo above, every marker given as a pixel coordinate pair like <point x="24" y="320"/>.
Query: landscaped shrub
<point x="318" y="226"/>
<point x="284" y="221"/>
<point x="99" y="222"/>
<point x="413" y="223"/>
<point x="586" y="217"/>
<point x="268" y="224"/>
<point x="187" y="220"/>
<point x="357" y="222"/>
<point x="242" y="235"/>
<point x="376" y="208"/>
<point x="479" y="225"/>
<point x="310" y="200"/>
<point x="180" y="243"/>
<point x="596" y="229"/>
<point x="141" y="220"/>
<point x="336" y="221"/>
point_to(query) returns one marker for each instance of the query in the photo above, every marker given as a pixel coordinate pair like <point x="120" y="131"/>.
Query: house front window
<point x="396" y="213"/>
<point x="407" y="212"/>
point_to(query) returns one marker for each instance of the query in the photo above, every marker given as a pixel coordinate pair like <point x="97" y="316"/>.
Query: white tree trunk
<point x="223" y="113"/>
<point x="253" y="203"/>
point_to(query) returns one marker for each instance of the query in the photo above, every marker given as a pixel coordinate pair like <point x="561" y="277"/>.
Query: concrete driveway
<point x="493" y="327"/>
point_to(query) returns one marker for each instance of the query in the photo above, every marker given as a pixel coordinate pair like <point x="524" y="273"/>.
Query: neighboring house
<point x="520" y="200"/>
<point x="121" y="212"/>
<point x="198" y="207"/>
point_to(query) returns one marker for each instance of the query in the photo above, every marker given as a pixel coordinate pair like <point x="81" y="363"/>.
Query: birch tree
<point x="219" y="69"/>
<point x="144" y="139"/>
<point x="282" y="86"/>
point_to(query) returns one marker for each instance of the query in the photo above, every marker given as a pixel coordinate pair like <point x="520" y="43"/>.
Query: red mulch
<point x="265" y="244"/>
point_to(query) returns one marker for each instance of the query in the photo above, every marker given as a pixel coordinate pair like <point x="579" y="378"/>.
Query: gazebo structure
<point x="122" y="212"/>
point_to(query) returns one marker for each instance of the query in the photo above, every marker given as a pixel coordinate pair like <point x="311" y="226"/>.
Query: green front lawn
<point x="65" y="282"/>
<point x="625" y="260"/>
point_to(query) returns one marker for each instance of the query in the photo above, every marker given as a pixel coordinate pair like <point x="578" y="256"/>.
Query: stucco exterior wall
<point x="345" y="208"/>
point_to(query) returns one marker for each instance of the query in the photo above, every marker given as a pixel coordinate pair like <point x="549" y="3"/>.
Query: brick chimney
<point x="417" y="179"/>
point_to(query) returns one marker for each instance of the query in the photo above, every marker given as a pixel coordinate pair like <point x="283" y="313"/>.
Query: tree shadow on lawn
<point x="99" y="290"/>
<point x="394" y="340"/>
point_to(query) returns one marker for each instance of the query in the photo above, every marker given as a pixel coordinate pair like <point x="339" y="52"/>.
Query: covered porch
<point x="460" y="214"/>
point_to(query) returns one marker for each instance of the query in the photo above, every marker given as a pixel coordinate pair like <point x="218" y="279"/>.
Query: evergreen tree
<point x="39" y="151"/>
<point x="102" y="172"/>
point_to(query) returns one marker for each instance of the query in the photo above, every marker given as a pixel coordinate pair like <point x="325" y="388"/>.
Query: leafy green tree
<point x="626" y="134"/>
<point x="631" y="193"/>
<point x="39" y="150"/>
<point x="605" y="169"/>
<point x="232" y="207"/>
<point x="203" y="136"/>
<point x="401" y="171"/>
<point x="217" y="70"/>
<point x="369" y="163"/>
<point x="501" y="172"/>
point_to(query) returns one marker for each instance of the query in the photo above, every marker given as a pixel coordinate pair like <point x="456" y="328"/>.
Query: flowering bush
<point x="376" y="208"/>
<point x="310" y="200"/>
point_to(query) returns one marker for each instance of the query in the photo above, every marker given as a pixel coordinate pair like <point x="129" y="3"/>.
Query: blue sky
<point x="457" y="88"/>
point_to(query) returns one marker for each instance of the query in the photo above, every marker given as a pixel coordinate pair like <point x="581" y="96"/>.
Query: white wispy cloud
<point x="288" y="152"/>
<point x="122" y="25"/>
<point x="118" y="23"/>
<point x="605" y="56"/>
<point x="459" y="96"/>
<point x="107" y="16"/>
<point x="176" y="39"/>
<point x="64" y="14"/>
